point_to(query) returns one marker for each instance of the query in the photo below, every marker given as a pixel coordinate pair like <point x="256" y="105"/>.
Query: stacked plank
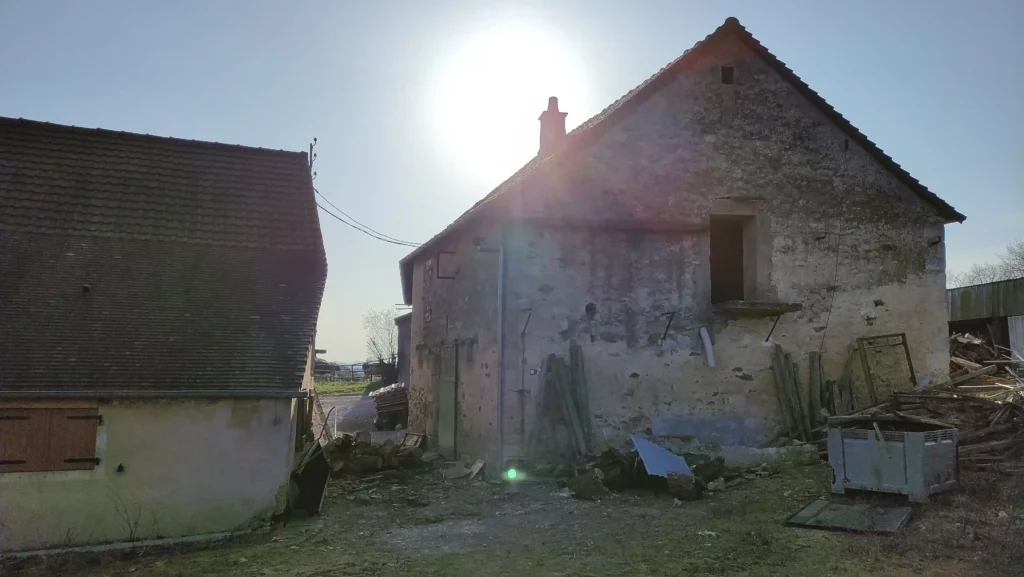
<point x="392" y="404"/>
<point x="564" y="402"/>
<point x="797" y="412"/>
<point x="806" y="409"/>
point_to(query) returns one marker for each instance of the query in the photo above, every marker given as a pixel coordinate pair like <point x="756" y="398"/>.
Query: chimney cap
<point x="552" y="127"/>
<point x="552" y="111"/>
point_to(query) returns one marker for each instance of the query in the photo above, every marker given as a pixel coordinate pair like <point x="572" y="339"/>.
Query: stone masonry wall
<point x="833" y="231"/>
<point x="463" y="309"/>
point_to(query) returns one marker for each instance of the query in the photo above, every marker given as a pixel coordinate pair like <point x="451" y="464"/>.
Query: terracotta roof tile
<point x="137" y="264"/>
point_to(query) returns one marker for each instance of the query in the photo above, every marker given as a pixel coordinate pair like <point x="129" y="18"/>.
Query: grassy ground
<point x="428" y="526"/>
<point x="347" y="388"/>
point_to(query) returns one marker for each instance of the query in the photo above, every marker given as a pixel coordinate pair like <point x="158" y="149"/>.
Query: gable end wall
<point x="698" y="147"/>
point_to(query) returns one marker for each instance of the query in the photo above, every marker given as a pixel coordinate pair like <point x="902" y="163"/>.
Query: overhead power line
<point x="380" y="238"/>
<point x="360" y="226"/>
<point x="355" y="224"/>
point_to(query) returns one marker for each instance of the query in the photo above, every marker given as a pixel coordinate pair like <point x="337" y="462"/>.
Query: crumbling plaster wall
<point x="463" y="309"/>
<point x="188" y="467"/>
<point x="835" y="231"/>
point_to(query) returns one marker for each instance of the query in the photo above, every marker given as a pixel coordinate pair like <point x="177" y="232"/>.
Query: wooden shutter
<point x="72" y="436"/>
<point x="23" y="440"/>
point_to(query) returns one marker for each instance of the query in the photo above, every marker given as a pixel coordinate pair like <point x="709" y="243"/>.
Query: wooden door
<point x="447" y="400"/>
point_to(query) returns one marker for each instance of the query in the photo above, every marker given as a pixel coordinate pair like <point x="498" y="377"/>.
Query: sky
<point x="421" y="108"/>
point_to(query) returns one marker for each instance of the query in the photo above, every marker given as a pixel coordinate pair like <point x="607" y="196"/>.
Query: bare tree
<point x="382" y="341"/>
<point x="1008" y="266"/>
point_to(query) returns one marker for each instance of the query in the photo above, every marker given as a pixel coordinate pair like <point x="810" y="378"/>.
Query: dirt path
<point x="427" y="526"/>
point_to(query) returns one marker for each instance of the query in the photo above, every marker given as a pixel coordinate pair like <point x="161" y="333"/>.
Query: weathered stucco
<point x="623" y="224"/>
<point x="189" y="467"/>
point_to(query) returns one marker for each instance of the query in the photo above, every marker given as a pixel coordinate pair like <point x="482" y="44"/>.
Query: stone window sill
<point x="754" y="309"/>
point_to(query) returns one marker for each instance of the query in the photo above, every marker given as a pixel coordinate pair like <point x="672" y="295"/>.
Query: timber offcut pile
<point x="983" y="400"/>
<point x="990" y="432"/>
<point x="985" y="366"/>
<point x="971" y="348"/>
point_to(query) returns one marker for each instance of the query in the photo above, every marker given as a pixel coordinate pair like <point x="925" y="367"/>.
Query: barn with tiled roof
<point x="158" y="307"/>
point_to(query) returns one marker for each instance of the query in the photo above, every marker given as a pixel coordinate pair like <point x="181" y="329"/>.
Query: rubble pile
<point x="356" y="454"/>
<point x="594" y="477"/>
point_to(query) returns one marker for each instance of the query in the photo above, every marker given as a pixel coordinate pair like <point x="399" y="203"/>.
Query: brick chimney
<point x="552" y="128"/>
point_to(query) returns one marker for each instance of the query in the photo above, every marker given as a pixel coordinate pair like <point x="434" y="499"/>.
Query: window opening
<point x="727" y="280"/>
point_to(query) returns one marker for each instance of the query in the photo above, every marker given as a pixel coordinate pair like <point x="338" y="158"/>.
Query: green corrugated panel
<point x="996" y="299"/>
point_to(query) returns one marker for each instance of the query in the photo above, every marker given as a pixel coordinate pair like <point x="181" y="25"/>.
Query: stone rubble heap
<point x="595" y="477"/>
<point x="355" y="454"/>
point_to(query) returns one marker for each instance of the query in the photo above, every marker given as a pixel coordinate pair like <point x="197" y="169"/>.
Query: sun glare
<point x="491" y="86"/>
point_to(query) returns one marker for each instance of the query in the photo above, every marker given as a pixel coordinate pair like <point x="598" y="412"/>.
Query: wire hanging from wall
<point x="839" y="240"/>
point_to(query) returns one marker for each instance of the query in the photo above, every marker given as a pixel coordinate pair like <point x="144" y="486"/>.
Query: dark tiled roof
<point x="140" y="264"/>
<point x="593" y="127"/>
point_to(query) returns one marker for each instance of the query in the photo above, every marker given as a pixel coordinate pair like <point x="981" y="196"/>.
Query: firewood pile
<point x="392" y="404"/>
<point x="356" y="454"/>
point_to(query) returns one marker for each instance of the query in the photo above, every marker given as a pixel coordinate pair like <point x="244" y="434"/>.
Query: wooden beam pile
<point x="392" y="404"/>
<point x="806" y="409"/>
<point x="990" y="432"/>
<point x="983" y="400"/>
<point x="564" y="401"/>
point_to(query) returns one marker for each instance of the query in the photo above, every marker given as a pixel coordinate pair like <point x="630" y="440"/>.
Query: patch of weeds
<point x="763" y="537"/>
<point x="345" y="387"/>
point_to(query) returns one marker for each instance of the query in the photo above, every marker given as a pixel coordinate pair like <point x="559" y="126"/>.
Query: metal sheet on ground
<point x="658" y="460"/>
<point x="859" y="518"/>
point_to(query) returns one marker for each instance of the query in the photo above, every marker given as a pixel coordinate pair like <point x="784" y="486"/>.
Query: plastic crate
<point x="915" y="464"/>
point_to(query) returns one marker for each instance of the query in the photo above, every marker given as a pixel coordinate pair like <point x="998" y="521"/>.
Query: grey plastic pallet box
<point x="915" y="464"/>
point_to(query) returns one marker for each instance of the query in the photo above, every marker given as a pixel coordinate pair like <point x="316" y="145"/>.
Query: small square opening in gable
<point x="728" y="74"/>
<point x="447" y="266"/>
